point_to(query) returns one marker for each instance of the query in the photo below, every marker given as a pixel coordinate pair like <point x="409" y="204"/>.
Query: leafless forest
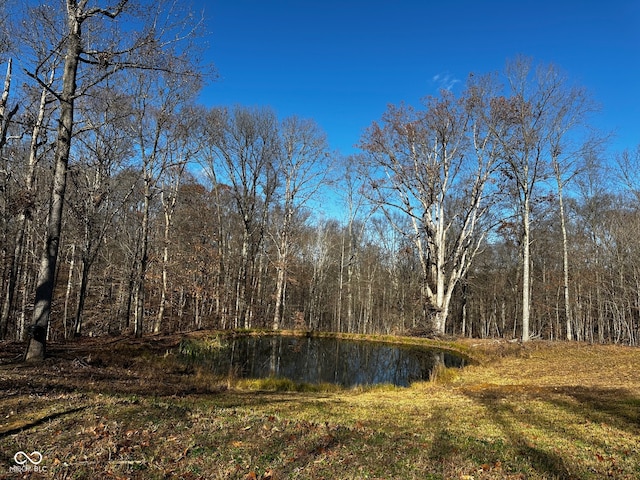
<point x="129" y="208"/>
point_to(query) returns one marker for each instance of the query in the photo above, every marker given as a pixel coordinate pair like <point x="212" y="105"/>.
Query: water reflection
<point x="330" y="360"/>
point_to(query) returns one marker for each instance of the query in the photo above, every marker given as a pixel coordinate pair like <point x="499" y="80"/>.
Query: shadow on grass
<point x="617" y="407"/>
<point x="462" y="456"/>
<point x="13" y="429"/>
<point x="508" y="408"/>
<point x="545" y="463"/>
<point x="119" y="366"/>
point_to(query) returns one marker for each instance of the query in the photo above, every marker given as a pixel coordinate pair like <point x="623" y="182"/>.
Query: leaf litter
<point x="128" y="409"/>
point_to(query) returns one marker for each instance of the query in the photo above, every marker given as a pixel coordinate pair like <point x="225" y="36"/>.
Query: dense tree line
<point x="129" y="209"/>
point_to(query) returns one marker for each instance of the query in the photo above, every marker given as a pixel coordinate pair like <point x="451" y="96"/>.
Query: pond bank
<point x="318" y="360"/>
<point x="124" y="408"/>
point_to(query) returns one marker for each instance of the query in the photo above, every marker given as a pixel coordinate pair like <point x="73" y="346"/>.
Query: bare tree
<point x="533" y="125"/>
<point x="358" y="212"/>
<point x="420" y="164"/>
<point x="160" y="130"/>
<point x="242" y="147"/>
<point x="104" y="151"/>
<point x="302" y="169"/>
<point x="565" y="157"/>
<point x="628" y="162"/>
<point x="6" y="115"/>
<point x="46" y="274"/>
<point x="182" y="147"/>
<point x="318" y="252"/>
<point x="93" y="49"/>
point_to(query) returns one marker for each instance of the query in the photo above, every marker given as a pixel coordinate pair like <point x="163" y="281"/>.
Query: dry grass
<point x="122" y="408"/>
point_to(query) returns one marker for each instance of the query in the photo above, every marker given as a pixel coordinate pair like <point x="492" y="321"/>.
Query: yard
<point x="125" y="408"/>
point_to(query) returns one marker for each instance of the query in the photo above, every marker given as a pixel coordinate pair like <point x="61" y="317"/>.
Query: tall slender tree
<point x="182" y="147"/>
<point x="533" y="125"/>
<point x="27" y="205"/>
<point x="104" y="151"/>
<point x="6" y="115"/>
<point x="302" y="168"/>
<point x="93" y="48"/>
<point x="242" y="152"/>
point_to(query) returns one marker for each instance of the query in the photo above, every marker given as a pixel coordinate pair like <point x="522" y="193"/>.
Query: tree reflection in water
<point x="326" y="360"/>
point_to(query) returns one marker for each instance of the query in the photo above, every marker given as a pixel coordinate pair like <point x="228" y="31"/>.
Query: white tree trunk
<point x="526" y="272"/>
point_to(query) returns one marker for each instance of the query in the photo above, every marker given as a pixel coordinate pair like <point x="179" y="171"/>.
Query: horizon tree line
<point x="127" y="208"/>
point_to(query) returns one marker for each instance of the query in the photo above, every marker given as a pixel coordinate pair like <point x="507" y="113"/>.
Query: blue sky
<point x="342" y="62"/>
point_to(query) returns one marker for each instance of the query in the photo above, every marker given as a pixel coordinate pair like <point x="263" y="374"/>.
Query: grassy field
<point x="124" y="408"/>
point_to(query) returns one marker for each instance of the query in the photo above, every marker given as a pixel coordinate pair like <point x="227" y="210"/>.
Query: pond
<point x="323" y="360"/>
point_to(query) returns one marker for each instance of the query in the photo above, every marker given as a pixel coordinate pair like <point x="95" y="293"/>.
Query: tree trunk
<point x="241" y="301"/>
<point x="526" y="272"/>
<point x="82" y="295"/>
<point x="69" y="287"/>
<point x="46" y="274"/>
<point x="27" y="283"/>
<point x="281" y="277"/>
<point x="280" y="283"/>
<point x="144" y="260"/>
<point x="163" y="288"/>
<point x="340" y="286"/>
<point x="351" y="255"/>
<point x="565" y="254"/>
<point x="25" y="216"/>
<point x="168" y="207"/>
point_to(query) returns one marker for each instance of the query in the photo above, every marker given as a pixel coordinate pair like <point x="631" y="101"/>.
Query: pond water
<point x="324" y="360"/>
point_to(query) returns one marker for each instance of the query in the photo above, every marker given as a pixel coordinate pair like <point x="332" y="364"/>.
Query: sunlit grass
<point x="538" y="411"/>
<point x="278" y="384"/>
